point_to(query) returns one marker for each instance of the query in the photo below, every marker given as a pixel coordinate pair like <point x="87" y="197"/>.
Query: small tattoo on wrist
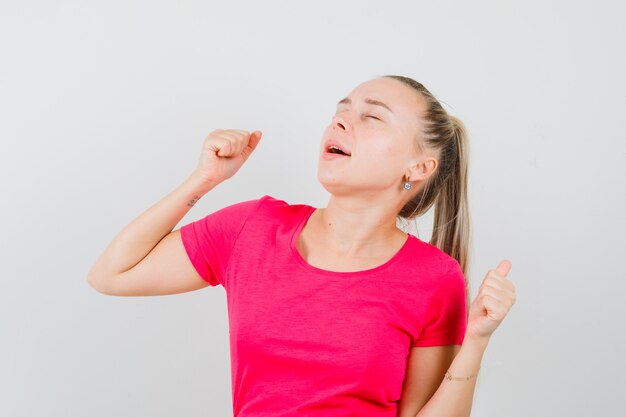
<point x="193" y="200"/>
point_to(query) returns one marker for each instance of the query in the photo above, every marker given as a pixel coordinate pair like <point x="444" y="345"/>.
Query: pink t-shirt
<point x="305" y="341"/>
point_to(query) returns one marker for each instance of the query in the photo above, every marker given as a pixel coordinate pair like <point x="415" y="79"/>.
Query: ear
<point x="422" y="168"/>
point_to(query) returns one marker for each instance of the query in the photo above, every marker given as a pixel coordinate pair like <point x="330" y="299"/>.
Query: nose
<point x="339" y="122"/>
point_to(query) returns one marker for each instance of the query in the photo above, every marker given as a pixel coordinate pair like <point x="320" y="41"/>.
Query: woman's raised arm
<point x="146" y="257"/>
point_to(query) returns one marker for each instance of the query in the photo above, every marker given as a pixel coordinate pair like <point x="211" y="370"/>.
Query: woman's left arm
<point x="495" y="297"/>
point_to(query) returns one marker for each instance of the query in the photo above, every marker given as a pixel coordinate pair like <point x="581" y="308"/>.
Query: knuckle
<point x="241" y="133"/>
<point x="491" y="290"/>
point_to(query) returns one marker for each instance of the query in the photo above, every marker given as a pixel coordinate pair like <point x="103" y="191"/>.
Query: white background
<point x="104" y="107"/>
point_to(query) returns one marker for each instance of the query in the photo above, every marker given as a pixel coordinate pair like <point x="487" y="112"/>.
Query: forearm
<point x="454" y="398"/>
<point x="140" y="236"/>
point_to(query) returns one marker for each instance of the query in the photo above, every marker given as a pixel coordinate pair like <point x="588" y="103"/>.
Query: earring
<point x="407" y="185"/>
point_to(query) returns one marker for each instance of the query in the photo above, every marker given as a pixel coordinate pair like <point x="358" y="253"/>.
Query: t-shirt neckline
<point x="300" y="260"/>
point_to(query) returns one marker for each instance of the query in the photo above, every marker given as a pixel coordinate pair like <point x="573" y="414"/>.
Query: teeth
<point x="336" y="148"/>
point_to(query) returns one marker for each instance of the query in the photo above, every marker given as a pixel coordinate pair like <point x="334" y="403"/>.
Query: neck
<point x="353" y="227"/>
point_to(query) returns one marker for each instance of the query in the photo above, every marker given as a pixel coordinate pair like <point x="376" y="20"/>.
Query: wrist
<point x="476" y="342"/>
<point x="200" y="185"/>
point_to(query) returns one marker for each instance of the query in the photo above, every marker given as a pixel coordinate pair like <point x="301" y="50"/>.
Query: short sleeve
<point x="447" y="312"/>
<point x="209" y="241"/>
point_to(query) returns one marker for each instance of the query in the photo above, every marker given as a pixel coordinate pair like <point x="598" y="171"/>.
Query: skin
<point x="355" y="231"/>
<point x="358" y="229"/>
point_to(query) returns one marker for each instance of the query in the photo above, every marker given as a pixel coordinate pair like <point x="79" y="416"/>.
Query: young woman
<point x="334" y="311"/>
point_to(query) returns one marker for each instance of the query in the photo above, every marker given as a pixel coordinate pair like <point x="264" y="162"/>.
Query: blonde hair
<point x="446" y="189"/>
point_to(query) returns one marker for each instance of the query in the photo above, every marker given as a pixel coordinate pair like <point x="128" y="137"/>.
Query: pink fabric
<point x="310" y="342"/>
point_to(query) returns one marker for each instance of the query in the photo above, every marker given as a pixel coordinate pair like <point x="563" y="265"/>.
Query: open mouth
<point x="337" y="150"/>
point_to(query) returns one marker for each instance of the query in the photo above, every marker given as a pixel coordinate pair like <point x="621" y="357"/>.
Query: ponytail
<point x="446" y="189"/>
<point x="451" y="229"/>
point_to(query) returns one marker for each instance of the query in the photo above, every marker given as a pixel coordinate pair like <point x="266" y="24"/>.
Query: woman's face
<point x="378" y="139"/>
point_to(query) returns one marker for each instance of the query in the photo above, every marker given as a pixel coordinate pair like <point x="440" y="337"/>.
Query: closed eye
<point x="373" y="117"/>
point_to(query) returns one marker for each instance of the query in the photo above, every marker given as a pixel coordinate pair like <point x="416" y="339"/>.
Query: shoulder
<point x="277" y="207"/>
<point x="436" y="258"/>
<point x="254" y="205"/>
<point x="272" y="201"/>
<point x="437" y="267"/>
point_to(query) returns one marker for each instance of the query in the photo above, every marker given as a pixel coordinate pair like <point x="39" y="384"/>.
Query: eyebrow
<point x="368" y="101"/>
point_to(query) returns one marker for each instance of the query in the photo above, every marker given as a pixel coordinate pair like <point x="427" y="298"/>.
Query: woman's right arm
<point x="146" y="257"/>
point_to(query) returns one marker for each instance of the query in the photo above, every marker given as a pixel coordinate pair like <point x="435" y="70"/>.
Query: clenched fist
<point x="224" y="152"/>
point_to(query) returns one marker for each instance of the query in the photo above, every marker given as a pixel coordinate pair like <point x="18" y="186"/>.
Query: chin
<point x="331" y="183"/>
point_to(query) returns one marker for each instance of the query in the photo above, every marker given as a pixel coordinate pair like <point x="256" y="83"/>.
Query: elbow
<point x="93" y="283"/>
<point x="98" y="283"/>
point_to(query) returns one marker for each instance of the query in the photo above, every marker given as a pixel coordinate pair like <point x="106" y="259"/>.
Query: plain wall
<point x="104" y="107"/>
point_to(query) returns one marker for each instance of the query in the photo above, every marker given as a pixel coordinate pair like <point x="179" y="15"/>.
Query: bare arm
<point x="454" y="398"/>
<point x="496" y="296"/>
<point x="147" y="257"/>
<point x="137" y="240"/>
<point x="426" y="367"/>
